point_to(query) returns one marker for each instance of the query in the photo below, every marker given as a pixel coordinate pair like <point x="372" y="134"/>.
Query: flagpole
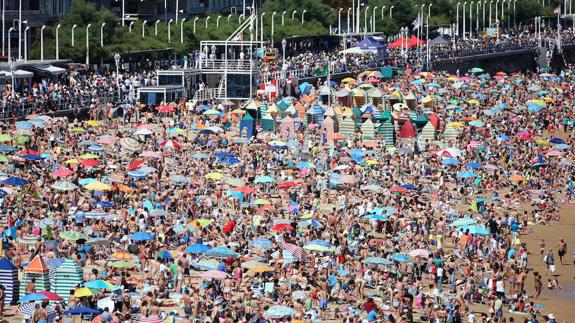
<point x="329" y="83"/>
<point x="559" y="30"/>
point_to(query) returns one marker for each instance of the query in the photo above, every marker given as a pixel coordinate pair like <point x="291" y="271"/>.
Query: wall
<point x="508" y="62"/>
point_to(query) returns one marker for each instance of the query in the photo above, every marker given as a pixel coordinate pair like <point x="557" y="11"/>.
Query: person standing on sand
<point x="538" y="285"/>
<point x="561" y="250"/>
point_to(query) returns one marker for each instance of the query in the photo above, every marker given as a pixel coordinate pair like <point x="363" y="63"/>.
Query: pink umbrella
<point x="214" y="274"/>
<point x="347" y="179"/>
<point x="419" y="253"/>
<point x="148" y="126"/>
<point x="107" y="140"/>
<point x="62" y="172"/>
<point x="151" y="154"/>
<point x="554" y="153"/>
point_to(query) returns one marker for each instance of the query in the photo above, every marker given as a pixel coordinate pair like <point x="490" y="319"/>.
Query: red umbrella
<point x="165" y="108"/>
<point x="62" y="172"/>
<point x="170" y="144"/>
<point x="90" y="162"/>
<point x="287" y="185"/>
<point x="51" y="296"/>
<point x="135" y="164"/>
<point x="28" y="152"/>
<point x="282" y="227"/>
<point x="399" y="189"/>
<point x="243" y="189"/>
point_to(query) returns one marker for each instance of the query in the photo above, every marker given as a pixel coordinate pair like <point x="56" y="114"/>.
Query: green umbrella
<point x="3" y="159"/>
<point x="72" y="235"/>
<point x="4" y="138"/>
<point x="122" y="264"/>
<point x="477" y="70"/>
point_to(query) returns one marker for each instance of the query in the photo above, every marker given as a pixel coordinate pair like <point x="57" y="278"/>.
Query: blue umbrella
<point x="475" y="229"/>
<point x="222" y="252"/>
<point x="24" y="125"/>
<point x="305" y="88"/>
<point x="141" y="236"/>
<point x="197" y="248"/>
<point x="138" y="174"/>
<point x="400" y="257"/>
<point x="262" y="243"/>
<point x="275" y="147"/>
<point x="99" y="284"/>
<point x="88" y="143"/>
<point x="224" y="154"/>
<point x="408" y="187"/>
<point x="81" y="310"/>
<point x="230" y="160"/>
<point x="557" y="141"/>
<point x="467" y="174"/>
<point x="473" y="165"/>
<point x="32" y="297"/>
<point x="165" y="255"/>
<point x="7" y="148"/>
<point x="562" y="146"/>
<point x="15" y="181"/>
<point x="32" y="157"/>
<point x="235" y="194"/>
<point x="450" y="161"/>
<point x="463" y="222"/>
<point x="200" y="156"/>
<point x="264" y="179"/>
<point x="206" y="132"/>
<point x="278" y="312"/>
<point x="356" y="155"/>
<point x="95" y="148"/>
<point x="104" y="204"/>
<point x="305" y="165"/>
<point x="503" y="137"/>
<point x="377" y="261"/>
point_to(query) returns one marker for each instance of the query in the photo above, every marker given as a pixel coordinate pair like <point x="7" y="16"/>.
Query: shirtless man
<point x="187" y="302"/>
<point x="31" y="287"/>
<point x="561" y="250"/>
<point x="42" y="314"/>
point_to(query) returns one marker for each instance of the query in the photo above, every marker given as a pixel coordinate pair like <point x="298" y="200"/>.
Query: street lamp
<point x="365" y="20"/>
<point x="144" y="28"/>
<point x="117" y="60"/>
<point x="12" y="68"/>
<point x="218" y="22"/>
<point x="477" y="17"/>
<point x="302" y="16"/>
<point x="496" y="11"/>
<point x="130" y="27"/>
<point x="42" y="42"/>
<point x="206" y="23"/>
<point x="382" y="11"/>
<point x="373" y="20"/>
<point x="293" y="14"/>
<point x="262" y="27"/>
<point x="9" y="43"/>
<point x="58" y="42"/>
<point x="463" y="14"/>
<point x="102" y="34"/>
<point x="156" y="27"/>
<point x="283" y="14"/>
<point x="73" y="27"/>
<point x="457" y="19"/>
<point x="26" y="43"/>
<point x="195" y="19"/>
<point x="483" y="13"/>
<point x="348" y="22"/>
<point x="273" y="23"/>
<point x="284" y="44"/>
<point x="471" y="19"/>
<point x="514" y="24"/>
<point x="391" y="12"/>
<point x="182" y="30"/>
<point x="88" y="44"/>
<point x="339" y="20"/>
<point x="490" y="3"/>
<point x="427" y="36"/>
<point x="170" y="30"/>
<point x="229" y="16"/>
<point x="123" y="12"/>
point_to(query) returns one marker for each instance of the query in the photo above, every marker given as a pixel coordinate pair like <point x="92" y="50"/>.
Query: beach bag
<point x="545" y="259"/>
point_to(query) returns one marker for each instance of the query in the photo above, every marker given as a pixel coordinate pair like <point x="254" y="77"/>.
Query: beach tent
<point x="427" y="133"/>
<point x="9" y="279"/>
<point x="67" y="276"/>
<point x="347" y="127"/>
<point x="367" y="130"/>
<point x="411" y="101"/>
<point x="263" y="109"/>
<point x="385" y="116"/>
<point x="370" y="111"/>
<point x="434" y="119"/>
<point x="287" y="127"/>
<point x="407" y="130"/>
<point x="420" y="120"/>
<point x="314" y="114"/>
<point x="37" y="269"/>
<point x="268" y="123"/>
<point x="247" y="126"/>
<point x="450" y="133"/>
<point x="387" y="130"/>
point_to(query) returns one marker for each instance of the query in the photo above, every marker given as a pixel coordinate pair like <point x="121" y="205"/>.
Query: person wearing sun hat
<point x="550" y="318"/>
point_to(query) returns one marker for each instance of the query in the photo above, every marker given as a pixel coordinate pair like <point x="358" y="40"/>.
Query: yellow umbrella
<point x="539" y="102"/>
<point x="235" y="182"/>
<point x="89" y="156"/>
<point x="277" y="143"/>
<point x="98" y="186"/>
<point x="201" y="222"/>
<point x="93" y="123"/>
<point x="78" y="130"/>
<point x="371" y="161"/>
<point x="543" y="142"/>
<point x="3" y="159"/>
<point x="83" y="292"/>
<point x="307" y="216"/>
<point x="71" y="161"/>
<point x="348" y="80"/>
<point x="472" y="101"/>
<point x="262" y="202"/>
<point x="215" y="176"/>
<point x="456" y="124"/>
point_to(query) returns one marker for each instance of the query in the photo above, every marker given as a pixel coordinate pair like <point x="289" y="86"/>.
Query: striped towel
<point x="293" y="249"/>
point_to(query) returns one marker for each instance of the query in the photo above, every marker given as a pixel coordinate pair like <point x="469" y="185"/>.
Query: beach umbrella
<point x="475" y="229"/>
<point x="378" y="217"/>
<point x="32" y="157"/>
<point x="262" y="202"/>
<point x="86" y="181"/>
<point x="221" y="252"/>
<point x="95" y="148"/>
<point x="318" y="247"/>
<point x="165" y="255"/>
<point x="197" y="248"/>
<point x="3" y="159"/>
<point x="81" y="310"/>
<point x="450" y="161"/>
<point x="72" y="235"/>
<point x="398" y="189"/>
<point x="5" y="138"/>
<point x="467" y="174"/>
<point x="400" y="257"/>
<point x="214" y="274"/>
<point x="419" y="253"/>
<point x="200" y="156"/>
<point x="165" y="109"/>
<point x="262" y="243"/>
<point x="562" y="146"/>
<point x="15" y="181"/>
<point x="64" y="186"/>
<point x="89" y="156"/>
<point x="98" y="186"/>
<point x="556" y="141"/>
<point x="130" y="144"/>
<point x="143" y="132"/>
<point x="51" y="296"/>
<point x="282" y="227"/>
<point x="135" y="164"/>
<point x="230" y="160"/>
<point x="62" y="172"/>
<point x="179" y="179"/>
<point x="473" y="165"/>
<point x="32" y="297"/>
<point x="463" y="222"/>
<point x="476" y="70"/>
<point x="214" y="176"/>
<point x="138" y="174"/>
<point x="264" y="179"/>
<point x="377" y="261"/>
<point x="141" y="236"/>
<point x="121" y="255"/>
<point x="24" y="125"/>
<point x="224" y="154"/>
<point x="170" y="144"/>
<point x="85" y="291"/>
<point x="29" y="308"/>
<point x="243" y="189"/>
<point x="278" y="312"/>
<point x="206" y="264"/>
<point x="99" y="284"/>
<point x="477" y="123"/>
<point x="89" y="162"/>
<point x="6" y="148"/>
<point x="372" y="187"/>
<point x="122" y="264"/>
<point x="151" y="154"/>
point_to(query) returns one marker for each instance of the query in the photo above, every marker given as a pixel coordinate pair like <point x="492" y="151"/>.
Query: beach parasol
<point x="222" y="252"/>
<point x="85" y="291"/>
<point x="214" y="274"/>
<point x="99" y="284"/>
<point x="141" y="236"/>
<point x="72" y="235"/>
<point x="64" y="186"/>
<point x="278" y="312"/>
<point x="197" y="248"/>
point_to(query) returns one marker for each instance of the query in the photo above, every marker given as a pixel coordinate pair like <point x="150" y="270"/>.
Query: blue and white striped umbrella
<point x="24" y="125"/>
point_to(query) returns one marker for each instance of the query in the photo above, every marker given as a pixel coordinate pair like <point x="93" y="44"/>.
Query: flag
<point x="322" y="71"/>
<point x="417" y="22"/>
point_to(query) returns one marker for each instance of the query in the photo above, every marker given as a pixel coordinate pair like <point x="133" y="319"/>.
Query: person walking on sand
<point x="538" y="285"/>
<point x="561" y="250"/>
<point x="549" y="261"/>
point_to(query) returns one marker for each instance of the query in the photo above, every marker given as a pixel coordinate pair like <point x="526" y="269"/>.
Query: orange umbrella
<point x="335" y="136"/>
<point x="122" y="255"/>
<point x="307" y="99"/>
<point x="517" y="178"/>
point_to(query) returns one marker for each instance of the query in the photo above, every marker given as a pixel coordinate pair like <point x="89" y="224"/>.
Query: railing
<point x="230" y="65"/>
<point x="208" y="94"/>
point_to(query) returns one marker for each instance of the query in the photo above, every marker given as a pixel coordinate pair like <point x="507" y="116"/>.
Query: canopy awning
<point x="18" y="74"/>
<point x="50" y="69"/>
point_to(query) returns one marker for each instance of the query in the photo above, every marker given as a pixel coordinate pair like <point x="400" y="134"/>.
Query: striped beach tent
<point x="53" y="264"/>
<point x="368" y="130"/>
<point x="427" y="133"/>
<point x="9" y="279"/>
<point x="347" y="127"/>
<point x="450" y="133"/>
<point x="387" y="130"/>
<point x="38" y="270"/>
<point x="67" y="276"/>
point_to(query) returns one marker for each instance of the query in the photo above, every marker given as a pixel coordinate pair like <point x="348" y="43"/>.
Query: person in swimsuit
<point x="187" y="302"/>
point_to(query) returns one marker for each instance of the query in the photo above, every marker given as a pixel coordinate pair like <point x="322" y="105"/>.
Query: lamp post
<point x="457" y="19"/>
<point x="26" y="43"/>
<point x="130" y="27"/>
<point x="420" y="15"/>
<point x="217" y="22"/>
<point x="471" y="19"/>
<point x="284" y="44"/>
<point x="382" y="12"/>
<point x="502" y="11"/>
<point x="496" y="11"/>
<point x="117" y="60"/>
<point x="463" y="11"/>
<point x="229" y="16"/>
<point x="483" y="14"/>
<point x="73" y="27"/>
<point x="195" y="19"/>
<point x="42" y="42"/>
<point x="373" y="20"/>
<point x="303" y="16"/>
<point x="206" y="23"/>
<point x="273" y="26"/>
<point x="12" y="67"/>
<point x="365" y="20"/>
<point x="477" y="17"/>
<point x="20" y="29"/>
<point x="182" y="30"/>
<point x="391" y="12"/>
<point x="490" y="3"/>
<point x="3" y="25"/>
<point x="170" y="30"/>
<point x="293" y="14"/>
<point x="427" y="34"/>
<point x="156" y="27"/>
<point x="102" y="34"/>
<point x="514" y="24"/>
<point x="283" y="14"/>
<point x="88" y="44"/>
<point x="339" y="21"/>
<point x="58" y="42"/>
<point x="9" y="43"/>
<point x="123" y="12"/>
<point x="144" y="28"/>
<point x="262" y="27"/>
<point x="348" y="22"/>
